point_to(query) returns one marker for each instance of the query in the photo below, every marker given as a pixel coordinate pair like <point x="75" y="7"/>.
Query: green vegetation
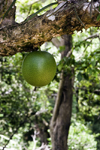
<point x="81" y="138"/>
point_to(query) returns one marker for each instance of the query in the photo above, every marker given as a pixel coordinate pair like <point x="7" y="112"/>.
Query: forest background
<point x="26" y="111"/>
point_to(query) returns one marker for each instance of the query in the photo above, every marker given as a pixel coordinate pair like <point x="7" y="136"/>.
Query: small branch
<point x="79" y="18"/>
<point x="92" y="36"/>
<point x="34" y="140"/>
<point x="69" y="53"/>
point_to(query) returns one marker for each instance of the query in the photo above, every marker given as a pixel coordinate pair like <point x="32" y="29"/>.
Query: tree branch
<point x="29" y="35"/>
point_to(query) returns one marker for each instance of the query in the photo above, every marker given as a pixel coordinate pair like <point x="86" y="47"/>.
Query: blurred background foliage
<point x="25" y="111"/>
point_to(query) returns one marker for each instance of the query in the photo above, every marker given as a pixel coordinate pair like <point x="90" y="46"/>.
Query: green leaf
<point x="86" y="77"/>
<point x="79" y="76"/>
<point x="60" y="66"/>
<point x="99" y="8"/>
<point x="61" y="49"/>
<point x="98" y="17"/>
<point x="1" y="115"/>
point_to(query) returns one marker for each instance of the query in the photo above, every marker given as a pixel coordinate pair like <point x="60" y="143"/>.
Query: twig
<point x="10" y="138"/>
<point x="92" y="36"/>
<point x="34" y="140"/>
<point x="79" y="17"/>
<point x="31" y="7"/>
<point x="61" y="5"/>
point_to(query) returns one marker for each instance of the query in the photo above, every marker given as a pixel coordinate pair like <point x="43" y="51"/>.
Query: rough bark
<point x="64" y="19"/>
<point x="60" y="121"/>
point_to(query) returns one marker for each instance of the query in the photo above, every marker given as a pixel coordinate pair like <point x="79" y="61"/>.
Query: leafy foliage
<point x="80" y="138"/>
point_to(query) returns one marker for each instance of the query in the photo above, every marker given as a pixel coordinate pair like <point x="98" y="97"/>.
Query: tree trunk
<point x="60" y="121"/>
